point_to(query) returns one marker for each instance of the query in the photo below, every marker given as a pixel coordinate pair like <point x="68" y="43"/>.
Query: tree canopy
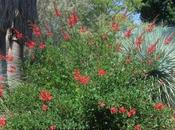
<point x="163" y="10"/>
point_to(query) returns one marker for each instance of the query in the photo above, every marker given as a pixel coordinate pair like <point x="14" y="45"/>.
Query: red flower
<point x="101" y="72"/>
<point x="113" y="110"/>
<point x="44" y="107"/>
<point x="9" y="58"/>
<point x="150" y="27"/>
<point x="132" y="112"/>
<point x="1" y="90"/>
<point x="128" y="33"/>
<point x="52" y="127"/>
<point x="81" y="78"/>
<point x="45" y="95"/>
<point x="66" y="36"/>
<point x="77" y="74"/>
<point x="115" y="27"/>
<point x="168" y="40"/>
<point x="73" y="19"/>
<point x="151" y="48"/>
<point x="42" y="45"/>
<point x="122" y="110"/>
<point x="30" y="44"/>
<point x="18" y="34"/>
<point x="137" y="127"/>
<point x="2" y="121"/>
<point x="84" y="80"/>
<point x="139" y="41"/>
<point x="36" y="30"/>
<point x="57" y="11"/>
<point x="159" y="106"/>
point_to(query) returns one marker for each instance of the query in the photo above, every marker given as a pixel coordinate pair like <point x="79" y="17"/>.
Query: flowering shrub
<point x="93" y="79"/>
<point x="84" y="85"/>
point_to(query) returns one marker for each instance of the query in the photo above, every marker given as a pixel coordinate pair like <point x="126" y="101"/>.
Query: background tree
<point x="164" y="9"/>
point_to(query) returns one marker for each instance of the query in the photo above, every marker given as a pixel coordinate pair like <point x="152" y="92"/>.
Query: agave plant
<point x="157" y="45"/>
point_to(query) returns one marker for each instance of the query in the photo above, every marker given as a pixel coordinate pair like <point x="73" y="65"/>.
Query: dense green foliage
<point x="110" y="75"/>
<point x="95" y="104"/>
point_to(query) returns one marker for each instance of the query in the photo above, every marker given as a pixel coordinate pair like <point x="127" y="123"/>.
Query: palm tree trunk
<point x="25" y="13"/>
<point x="3" y="65"/>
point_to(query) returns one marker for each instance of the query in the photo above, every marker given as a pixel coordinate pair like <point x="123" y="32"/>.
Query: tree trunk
<point x="3" y="65"/>
<point x="16" y="14"/>
<point x="26" y="13"/>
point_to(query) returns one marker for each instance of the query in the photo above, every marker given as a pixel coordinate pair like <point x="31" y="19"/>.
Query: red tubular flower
<point x="151" y="48"/>
<point x="139" y="41"/>
<point x="73" y="19"/>
<point x="18" y="34"/>
<point x="66" y="36"/>
<point x="81" y="78"/>
<point x="2" y="121"/>
<point x="122" y="110"/>
<point x="101" y="72"/>
<point x="113" y="110"/>
<point x="128" y="33"/>
<point x="31" y="44"/>
<point x="159" y="106"/>
<point x="115" y="27"/>
<point x="45" y="95"/>
<point x="150" y="27"/>
<point x="168" y="40"/>
<point x="52" y="127"/>
<point x="77" y="74"/>
<point x="132" y="112"/>
<point x="44" y="107"/>
<point x="57" y="11"/>
<point x="84" y="80"/>
<point x="42" y="45"/>
<point x="1" y="90"/>
<point x="36" y="30"/>
<point x="137" y="127"/>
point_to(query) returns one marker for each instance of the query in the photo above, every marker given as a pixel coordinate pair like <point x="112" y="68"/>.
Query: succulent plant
<point x="156" y="47"/>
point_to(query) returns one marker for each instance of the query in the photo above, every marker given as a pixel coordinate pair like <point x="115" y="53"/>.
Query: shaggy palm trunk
<point x="3" y="65"/>
<point x="16" y="14"/>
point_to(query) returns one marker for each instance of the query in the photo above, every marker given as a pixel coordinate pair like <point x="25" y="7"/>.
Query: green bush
<point x="89" y="84"/>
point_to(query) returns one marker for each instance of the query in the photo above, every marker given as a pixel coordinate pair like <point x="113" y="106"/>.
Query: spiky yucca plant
<point x="155" y="46"/>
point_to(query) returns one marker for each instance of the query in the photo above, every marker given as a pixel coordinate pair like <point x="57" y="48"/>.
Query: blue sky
<point x="136" y="18"/>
